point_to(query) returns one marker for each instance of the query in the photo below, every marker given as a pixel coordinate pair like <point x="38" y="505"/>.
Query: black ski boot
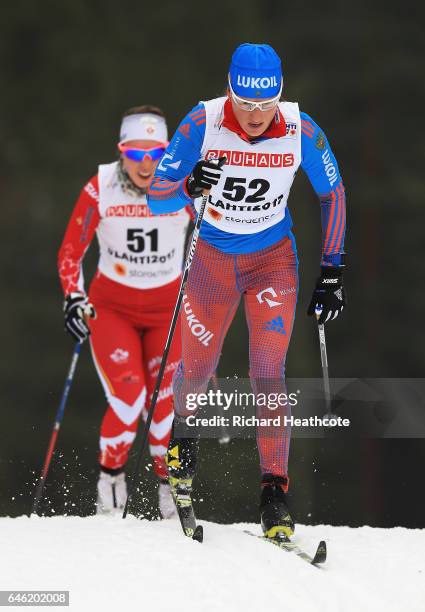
<point x="276" y="521"/>
<point x="181" y="461"/>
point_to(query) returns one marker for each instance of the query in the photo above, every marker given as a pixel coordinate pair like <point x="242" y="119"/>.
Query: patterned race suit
<point x="246" y="246"/>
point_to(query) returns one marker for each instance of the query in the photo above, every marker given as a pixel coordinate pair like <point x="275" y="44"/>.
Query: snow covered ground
<point x="109" y="564"/>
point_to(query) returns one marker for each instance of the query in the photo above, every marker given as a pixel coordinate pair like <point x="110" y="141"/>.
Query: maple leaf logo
<point x="116" y="455"/>
<point x="69" y="271"/>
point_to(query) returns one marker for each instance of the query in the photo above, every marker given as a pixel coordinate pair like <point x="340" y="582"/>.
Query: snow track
<point x="109" y="564"/>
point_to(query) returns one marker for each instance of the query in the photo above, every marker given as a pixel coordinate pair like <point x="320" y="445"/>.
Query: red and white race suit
<point x="134" y="292"/>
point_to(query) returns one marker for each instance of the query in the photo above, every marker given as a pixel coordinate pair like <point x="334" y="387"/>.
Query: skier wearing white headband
<point x="128" y="308"/>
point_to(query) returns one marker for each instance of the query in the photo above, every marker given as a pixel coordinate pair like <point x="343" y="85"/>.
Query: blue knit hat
<point x="255" y="71"/>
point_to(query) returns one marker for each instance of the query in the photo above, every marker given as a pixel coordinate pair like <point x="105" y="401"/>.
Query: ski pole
<point x="56" y="427"/>
<point x="325" y="368"/>
<point x="187" y="265"/>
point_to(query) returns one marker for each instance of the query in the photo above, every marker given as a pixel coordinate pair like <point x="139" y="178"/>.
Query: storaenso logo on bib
<point x="197" y="329"/>
<point x="256" y="82"/>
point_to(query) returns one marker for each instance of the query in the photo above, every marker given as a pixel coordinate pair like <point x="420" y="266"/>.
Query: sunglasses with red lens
<point x="138" y="155"/>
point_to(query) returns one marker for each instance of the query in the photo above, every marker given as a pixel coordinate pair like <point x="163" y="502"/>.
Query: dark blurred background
<point x="68" y="70"/>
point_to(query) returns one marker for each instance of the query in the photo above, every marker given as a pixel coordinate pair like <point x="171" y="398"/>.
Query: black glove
<point x="77" y="309"/>
<point x="329" y="295"/>
<point x="204" y="175"/>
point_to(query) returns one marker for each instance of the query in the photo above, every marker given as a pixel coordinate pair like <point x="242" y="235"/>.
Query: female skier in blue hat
<point x="246" y="248"/>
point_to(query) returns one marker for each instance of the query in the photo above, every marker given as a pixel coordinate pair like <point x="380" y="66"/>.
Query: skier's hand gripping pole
<point x="56" y="427"/>
<point x="195" y="235"/>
